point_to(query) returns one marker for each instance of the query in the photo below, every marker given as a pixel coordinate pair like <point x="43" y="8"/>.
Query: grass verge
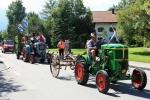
<point x="139" y="54"/>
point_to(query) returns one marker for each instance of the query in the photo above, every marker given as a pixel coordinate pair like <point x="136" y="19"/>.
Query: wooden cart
<point x="57" y="62"/>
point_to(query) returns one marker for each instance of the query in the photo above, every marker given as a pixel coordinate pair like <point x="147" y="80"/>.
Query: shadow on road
<point x="9" y="53"/>
<point x="7" y="86"/>
<point x="124" y="88"/>
<point x="67" y="78"/>
<point x="119" y="87"/>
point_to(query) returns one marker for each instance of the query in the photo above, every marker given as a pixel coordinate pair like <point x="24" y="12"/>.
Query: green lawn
<point x="75" y="51"/>
<point x="135" y="54"/>
<point x="138" y="54"/>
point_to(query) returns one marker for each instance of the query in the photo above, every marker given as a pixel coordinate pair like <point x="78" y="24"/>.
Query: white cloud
<point x="4" y="4"/>
<point x="37" y="5"/>
<point x="33" y="5"/>
<point x="100" y="5"/>
<point x="30" y="5"/>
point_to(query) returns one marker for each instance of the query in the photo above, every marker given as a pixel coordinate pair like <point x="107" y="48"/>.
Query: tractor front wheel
<point x="31" y="59"/>
<point x="102" y="81"/>
<point x="139" y="79"/>
<point x="81" y="73"/>
<point x="25" y="56"/>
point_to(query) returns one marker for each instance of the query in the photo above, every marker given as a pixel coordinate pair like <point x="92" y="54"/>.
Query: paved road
<point x="24" y="81"/>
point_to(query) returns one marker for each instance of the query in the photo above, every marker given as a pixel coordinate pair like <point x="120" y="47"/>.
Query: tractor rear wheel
<point x="139" y="79"/>
<point x="31" y="59"/>
<point x="81" y="72"/>
<point x="102" y="81"/>
<point x="24" y="55"/>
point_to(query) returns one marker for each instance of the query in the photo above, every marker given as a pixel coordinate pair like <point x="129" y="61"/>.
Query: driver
<point x="33" y="40"/>
<point x="33" y="37"/>
<point x="92" y="46"/>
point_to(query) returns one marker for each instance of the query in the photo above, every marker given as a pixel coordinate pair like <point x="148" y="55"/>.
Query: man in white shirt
<point x="92" y="46"/>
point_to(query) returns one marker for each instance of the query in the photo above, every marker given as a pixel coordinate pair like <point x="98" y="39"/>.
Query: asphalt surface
<point x="25" y="81"/>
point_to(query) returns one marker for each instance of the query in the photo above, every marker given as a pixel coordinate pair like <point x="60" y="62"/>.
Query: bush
<point x="147" y="44"/>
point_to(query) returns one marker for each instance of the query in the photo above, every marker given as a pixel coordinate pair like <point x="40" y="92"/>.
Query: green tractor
<point x="111" y="66"/>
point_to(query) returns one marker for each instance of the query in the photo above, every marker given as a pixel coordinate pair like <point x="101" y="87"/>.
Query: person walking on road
<point x="61" y="46"/>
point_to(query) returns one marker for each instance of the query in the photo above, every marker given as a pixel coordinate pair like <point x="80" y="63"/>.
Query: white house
<point x="104" y="20"/>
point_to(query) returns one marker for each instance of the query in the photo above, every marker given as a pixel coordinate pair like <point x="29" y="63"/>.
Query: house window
<point x="100" y="29"/>
<point x="111" y="30"/>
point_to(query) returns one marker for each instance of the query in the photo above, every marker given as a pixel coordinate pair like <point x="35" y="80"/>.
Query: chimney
<point x="113" y="11"/>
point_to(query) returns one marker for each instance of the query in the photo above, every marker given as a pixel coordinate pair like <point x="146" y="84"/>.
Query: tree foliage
<point x="34" y="23"/>
<point x="70" y="20"/>
<point x="133" y="21"/>
<point x="15" y="15"/>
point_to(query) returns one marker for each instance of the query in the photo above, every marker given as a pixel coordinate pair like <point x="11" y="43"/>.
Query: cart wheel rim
<point x="137" y="79"/>
<point x="31" y="58"/>
<point x="100" y="81"/>
<point x="79" y="71"/>
<point x="24" y="53"/>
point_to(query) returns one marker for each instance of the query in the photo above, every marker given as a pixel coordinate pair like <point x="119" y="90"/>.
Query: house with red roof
<point x="103" y="20"/>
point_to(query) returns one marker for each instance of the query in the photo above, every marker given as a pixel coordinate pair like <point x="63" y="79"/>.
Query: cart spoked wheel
<point x="102" y="81"/>
<point x="54" y="65"/>
<point x="17" y="55"/>
<point x="81" y="73"/>
<point x="31" y="59"/>
<point x="139" y="79"/>
<point x="24" y="55"/>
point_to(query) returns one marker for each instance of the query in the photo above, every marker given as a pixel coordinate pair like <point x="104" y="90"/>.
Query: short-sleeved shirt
<point x="89" y="43"/>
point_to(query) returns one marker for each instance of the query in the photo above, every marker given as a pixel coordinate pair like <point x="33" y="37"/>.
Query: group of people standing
<point x="64" y="47"/>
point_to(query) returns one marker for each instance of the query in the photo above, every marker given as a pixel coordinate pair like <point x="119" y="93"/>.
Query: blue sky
<point x="36" y="6"/>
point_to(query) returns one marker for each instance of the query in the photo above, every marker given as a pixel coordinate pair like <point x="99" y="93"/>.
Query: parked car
<point x="7" y="46"/>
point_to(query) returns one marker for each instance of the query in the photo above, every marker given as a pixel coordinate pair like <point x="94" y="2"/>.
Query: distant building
<point x="104" y="20"/>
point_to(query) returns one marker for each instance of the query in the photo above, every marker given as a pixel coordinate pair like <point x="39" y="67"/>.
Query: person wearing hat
<point x="101" y="41"/>
<point x="92" y="46"/>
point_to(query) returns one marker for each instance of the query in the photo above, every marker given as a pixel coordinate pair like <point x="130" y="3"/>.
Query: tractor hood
<point x="113" y="46"/>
